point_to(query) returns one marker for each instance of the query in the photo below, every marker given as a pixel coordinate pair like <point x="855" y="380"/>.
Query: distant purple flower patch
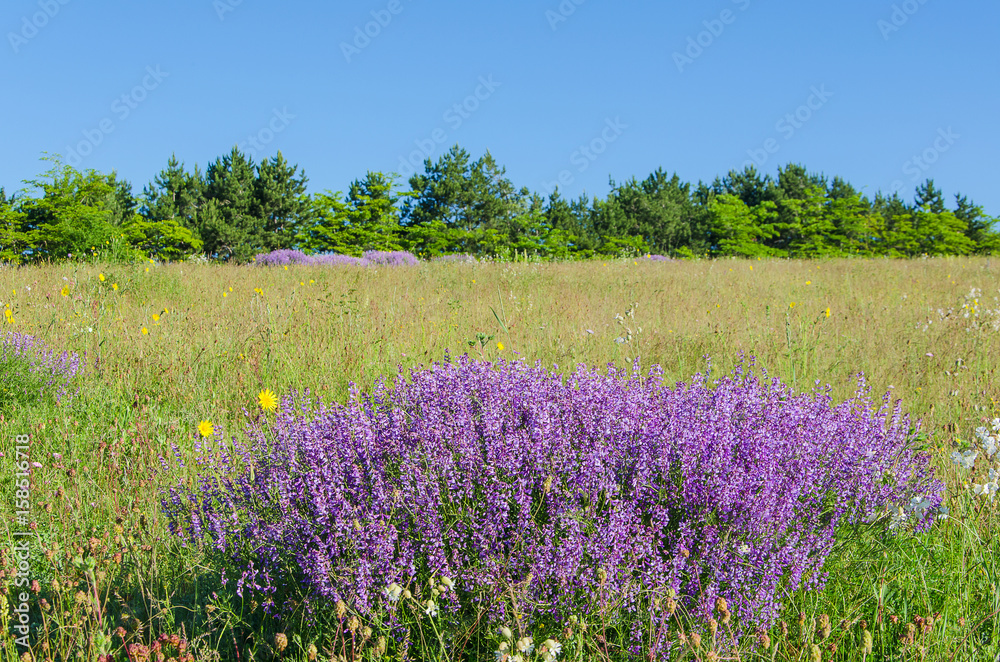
<point x="29" y="369"/>
<point x="659" y="258"/>
<point x="334" y="260"/>
<point x="391" y="258"/>
<point x="284" y="257"/>
<point x="588" y="484"/>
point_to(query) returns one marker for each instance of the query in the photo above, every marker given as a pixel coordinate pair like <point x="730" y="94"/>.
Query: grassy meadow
<point x="169" y="346"/>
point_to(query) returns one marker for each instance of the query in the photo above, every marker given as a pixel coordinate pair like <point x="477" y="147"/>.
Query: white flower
<point x="986" y="489"/>
<point x="919" y="505"/>
<point x="393" y="591"/>
<point x="431" y="608"/>
<point x="965" y="459"/>
<point x="898" y="518"/>
<point x="996" y="424"/>
<point x="552" y="648"/>
<point x="743" y="549"/>
<point x="506" y="633"/>
<point x="447" y="581"/>
<point x="525" y="645"/>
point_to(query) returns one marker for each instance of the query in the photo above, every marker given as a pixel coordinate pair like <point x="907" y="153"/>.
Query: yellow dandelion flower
<point x="286" y="267"/>
<point x="225" y="294"/>
<point x="114" y="286"/>
<point x="258" y="291"/>
<point x="230" y="289"/>
<point x="100" y="277"/>
<point x="751" y="267"/>
<point x="156" y="318"/>
<point x="65" y="291"/>
<point x="473" y="282"/>
<point x="827" y="312"/>
<point x="500" y="346"/>
<point x="809" y="282"/>
<point x="311" y="281"/>
<point x="267" y="400"/>
<point x="791" y="305"/>
<point x="206" y="429"/>
<point x="145" y="331"/>
<point x="147" y="270"/>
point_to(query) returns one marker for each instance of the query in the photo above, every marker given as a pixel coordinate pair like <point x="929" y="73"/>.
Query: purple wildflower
<point x="29" y="369"/>
<point x="593" y="484"/>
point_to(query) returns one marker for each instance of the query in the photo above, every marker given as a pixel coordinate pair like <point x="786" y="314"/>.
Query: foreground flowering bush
<point x="30" y="370"/>
<point x="571" y="489"/>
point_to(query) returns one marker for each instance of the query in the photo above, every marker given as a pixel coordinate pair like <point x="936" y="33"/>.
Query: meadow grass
<point x="168" y="346"/>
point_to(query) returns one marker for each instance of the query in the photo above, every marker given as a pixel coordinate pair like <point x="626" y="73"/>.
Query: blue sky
<point x="882" y="93"/>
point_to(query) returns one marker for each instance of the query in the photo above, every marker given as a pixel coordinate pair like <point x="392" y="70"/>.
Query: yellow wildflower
<point x="206" y="429"/>
<point x="268" y="401"/>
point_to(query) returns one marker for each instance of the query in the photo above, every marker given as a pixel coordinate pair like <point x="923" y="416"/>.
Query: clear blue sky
<point x="898" y="91"/>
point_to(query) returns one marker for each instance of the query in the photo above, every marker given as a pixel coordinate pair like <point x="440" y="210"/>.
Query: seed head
<point x="866" y="642"/>
<point x="695" y="640"/>
<point x="311" y="652"/>
<point x="280" y="641"/>
<point x="815" y="654"/>
<point x="765" y="641"/>
<point x="340" y="609"/>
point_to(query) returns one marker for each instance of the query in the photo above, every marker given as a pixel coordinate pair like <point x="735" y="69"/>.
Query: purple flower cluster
<point x="659" y="258"/>
<point x="29" y="369"/>
<point x="585" y="485"/>
<point x="285" y="256"/>
<point x="391" y="258"/>
<point x="282" y="257"/>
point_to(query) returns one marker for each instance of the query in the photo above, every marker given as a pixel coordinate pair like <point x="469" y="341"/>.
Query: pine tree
<point x="231" y="231"/>
<point x="279" y="203"/>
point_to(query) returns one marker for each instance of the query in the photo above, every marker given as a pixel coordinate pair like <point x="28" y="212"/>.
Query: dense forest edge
<point x="235" y="210"/>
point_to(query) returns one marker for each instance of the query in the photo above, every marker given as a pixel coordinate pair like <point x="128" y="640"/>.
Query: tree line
<point x="236" y="209"/>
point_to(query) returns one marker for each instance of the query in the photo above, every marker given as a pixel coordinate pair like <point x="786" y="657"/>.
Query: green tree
<point x="164" y="240"/>
<point x="741" y="230"/>
<point x="929" y="196"/>
<point x="175" y="194"/>
<point x="229" y="228"/>
<point x="471" y="197"/>
<point x="13" y="239"/>
<point x="978" y="225"/>
<point x="75" y="212"/>
<point x="279" y="203"/>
